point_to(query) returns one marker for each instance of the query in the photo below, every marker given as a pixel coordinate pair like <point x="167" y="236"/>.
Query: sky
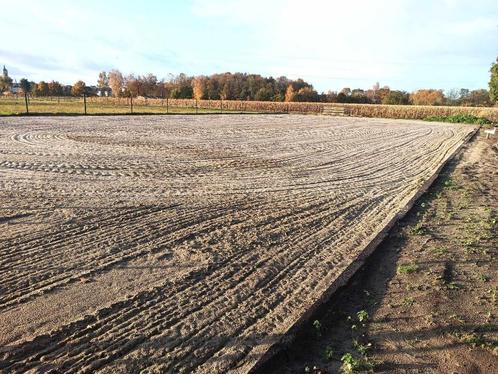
<point x="405" y="44"/>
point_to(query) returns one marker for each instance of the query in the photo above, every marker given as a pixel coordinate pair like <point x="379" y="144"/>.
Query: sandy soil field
<point x="429" y="293"/>
<point x="188" y="243"/>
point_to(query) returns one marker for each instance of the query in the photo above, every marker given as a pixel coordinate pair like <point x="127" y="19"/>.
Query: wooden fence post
<point x="84" y="101"/>
<point x="26" y="102"/>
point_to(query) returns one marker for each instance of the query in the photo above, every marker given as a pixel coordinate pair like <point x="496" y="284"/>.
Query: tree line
<point x="227" y="86"/>
<point x="242" y="86"/>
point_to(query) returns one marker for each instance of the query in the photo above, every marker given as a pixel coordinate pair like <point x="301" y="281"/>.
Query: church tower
<point x="5" y="72"/>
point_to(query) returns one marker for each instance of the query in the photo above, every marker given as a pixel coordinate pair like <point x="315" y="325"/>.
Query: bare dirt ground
<point x="428" y="297"/>
<point x="189" y="244"/>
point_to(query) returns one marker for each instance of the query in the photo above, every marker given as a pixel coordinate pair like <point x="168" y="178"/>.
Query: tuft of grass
<point x="408" y="301"/>
<point x="407" y="268"/>
<point x="418" y="229"/>
<point x="450" y="184"/>
<point x="473" y="339"/>
<point x="453" y="286"/>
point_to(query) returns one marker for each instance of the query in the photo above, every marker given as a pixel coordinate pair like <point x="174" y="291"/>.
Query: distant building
<point x="16" y="88"/>
<point x="7" y="81"/>
<point x="103" y="92"/>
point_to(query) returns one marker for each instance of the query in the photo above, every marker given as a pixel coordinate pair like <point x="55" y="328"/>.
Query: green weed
<point x="418" y="229"/>
<point x="362" y="316"/>
<point x="407" y="268"/>
<point x="350" y="364"/>
<point x="329" y="353"/>
<point x="362" y="349"/>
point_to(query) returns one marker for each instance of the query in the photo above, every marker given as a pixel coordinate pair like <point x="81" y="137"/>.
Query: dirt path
<point x="188" y="244"/>
<point x="428" y="298"/>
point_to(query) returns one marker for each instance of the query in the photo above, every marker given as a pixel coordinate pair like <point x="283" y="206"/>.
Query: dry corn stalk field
<point x="188" y="244"/>
<point x="356" y="110"/>
<point x="414" y="111"/>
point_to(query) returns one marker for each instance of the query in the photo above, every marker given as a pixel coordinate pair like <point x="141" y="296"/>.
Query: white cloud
<point x="361" y="41"/>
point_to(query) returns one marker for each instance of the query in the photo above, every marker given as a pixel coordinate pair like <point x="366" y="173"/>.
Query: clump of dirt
<point x="427" y="300"/>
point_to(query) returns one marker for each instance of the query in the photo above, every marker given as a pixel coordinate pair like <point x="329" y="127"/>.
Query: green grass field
<point x="71" y="105"/>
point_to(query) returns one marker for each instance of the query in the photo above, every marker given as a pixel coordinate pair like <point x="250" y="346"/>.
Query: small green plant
<point x="407" y="268"/>
<point x="362" y="349"/>
<point x="453" y="286"/>
<point x="418" y="229"/>
<point x="317" y="326"/>
<point x="329" y="353"/>
<point x="450" y="184"/>
<point x="473" y="339"/>
<point x="484" y="278"/>
<point x="408" y="301"/>
<point x="362" y="316"/>
<point x="350" y="364"/>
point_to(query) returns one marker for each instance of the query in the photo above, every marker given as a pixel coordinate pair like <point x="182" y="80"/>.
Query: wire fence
<point x="141" y="105"/>
<point x="67" y="105"/>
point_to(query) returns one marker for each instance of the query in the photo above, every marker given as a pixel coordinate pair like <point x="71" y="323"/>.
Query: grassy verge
<point x="74" y="106"/>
